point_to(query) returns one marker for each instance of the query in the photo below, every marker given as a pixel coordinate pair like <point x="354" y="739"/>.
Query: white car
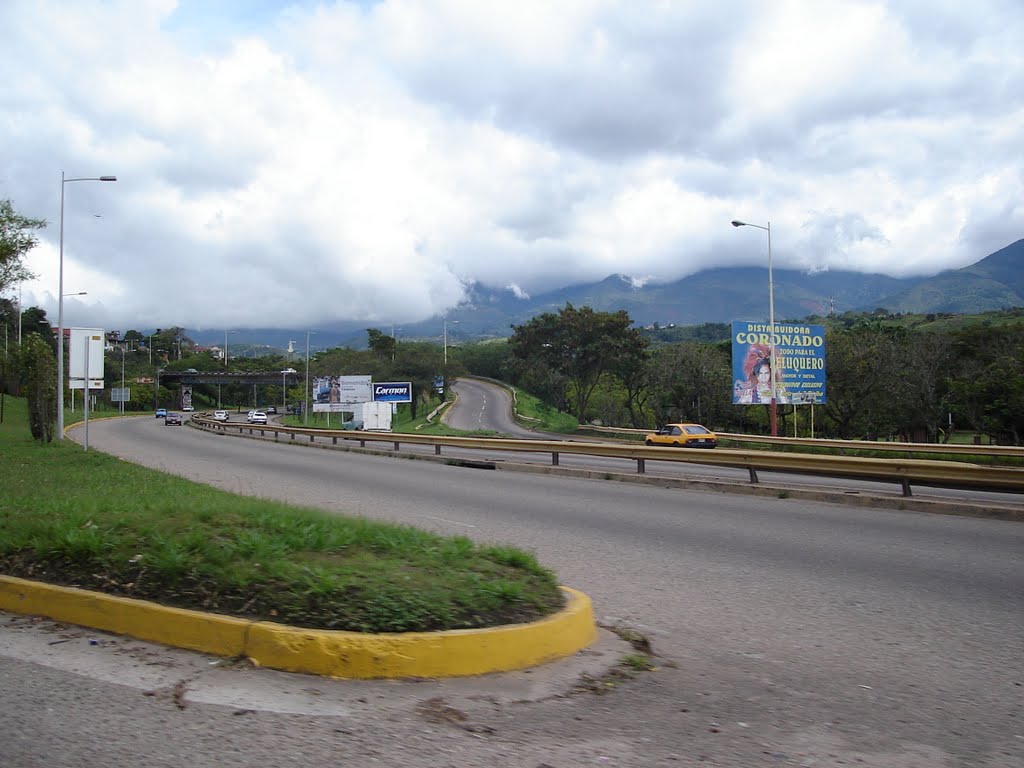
<point x="220" y="415"/>
<point x="187" y="408"/>
<point x="257" y="417"/>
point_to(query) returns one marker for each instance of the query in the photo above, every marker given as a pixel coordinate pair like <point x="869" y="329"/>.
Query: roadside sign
<point x="393" y="392"/>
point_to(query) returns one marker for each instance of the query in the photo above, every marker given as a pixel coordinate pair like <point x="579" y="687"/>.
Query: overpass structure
<point x="248" y="379"/>
<point x="230" y="377"/>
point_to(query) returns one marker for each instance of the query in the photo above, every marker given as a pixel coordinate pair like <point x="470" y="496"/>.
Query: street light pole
<point x="60" y="302"/>
<point x="305" y="397"/>
<point x="771" y="321"/>
<point x="446" y="340"/>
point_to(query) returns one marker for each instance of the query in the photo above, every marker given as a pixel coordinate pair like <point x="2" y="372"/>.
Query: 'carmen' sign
<point x="393" y="392"/>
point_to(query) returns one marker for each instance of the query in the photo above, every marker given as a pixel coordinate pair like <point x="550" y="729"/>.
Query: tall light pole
<point x="284" y="389"/>
<point x="305" y="400"/>
<point x="454" y="322"/>
<point x="60" y="302"/>
<point x="226" y="332"/>
<point x="771" y="321"/>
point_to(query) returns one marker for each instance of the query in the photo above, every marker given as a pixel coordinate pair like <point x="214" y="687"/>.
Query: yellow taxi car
<point x="684" y="436"/>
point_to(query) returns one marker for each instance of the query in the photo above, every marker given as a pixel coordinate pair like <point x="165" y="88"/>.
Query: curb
<point x="331" y="653"/>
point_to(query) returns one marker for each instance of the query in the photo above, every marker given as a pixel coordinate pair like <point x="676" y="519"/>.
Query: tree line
<point x="884" y="378"/>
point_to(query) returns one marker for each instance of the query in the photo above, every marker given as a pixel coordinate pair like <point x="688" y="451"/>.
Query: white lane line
<point x="444" y="520"/>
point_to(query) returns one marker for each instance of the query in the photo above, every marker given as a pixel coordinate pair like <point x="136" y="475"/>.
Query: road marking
<point x="444" y="520"/>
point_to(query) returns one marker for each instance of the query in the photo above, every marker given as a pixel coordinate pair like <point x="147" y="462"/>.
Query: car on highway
<point x="220" y="415"/>
<point x="271" y="409"/>
<point x="256" y="417"/>
<point x="683" y="436"/>
<point x="172" y="419"/>
<point x="161" y="413"/>
<point x="187" y="408"/>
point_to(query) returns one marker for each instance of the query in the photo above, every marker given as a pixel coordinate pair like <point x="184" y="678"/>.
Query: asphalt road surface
<point x="787" y="633"/>
<point x="482" y="405"/>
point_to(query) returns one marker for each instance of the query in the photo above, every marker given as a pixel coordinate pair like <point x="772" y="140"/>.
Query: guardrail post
<point x="334" y="440"/>
<point x="292" y="436"/>
<point x="554" y="459"/>
<point x="396" y="445"/>
<point x="311" y="438"/>
<point x="362" y="443"/>
<point x="640" y="467"/>
<point x="906" y="486"/>
<point x="753" y="474"/>
<point x="437" y="450"/>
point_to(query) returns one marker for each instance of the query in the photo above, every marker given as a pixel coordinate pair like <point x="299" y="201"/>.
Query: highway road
<point x="788" y="633"/>
<point x="482" y="405"/>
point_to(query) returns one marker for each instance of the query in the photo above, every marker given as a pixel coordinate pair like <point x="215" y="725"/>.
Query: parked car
<point x="684" y="436"/>
<point x="172" y="419"/>
<point x="161" y="413"/>
<point x="220" y="415"/>
<point x="257" y="417"/>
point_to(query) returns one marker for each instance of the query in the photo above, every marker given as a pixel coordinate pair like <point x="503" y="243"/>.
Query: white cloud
<point x="299" y="164"/>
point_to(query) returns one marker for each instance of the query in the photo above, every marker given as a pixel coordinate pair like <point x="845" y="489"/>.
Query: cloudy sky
<point x="295" y="164"/>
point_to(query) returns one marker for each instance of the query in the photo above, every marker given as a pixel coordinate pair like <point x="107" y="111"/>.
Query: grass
<point x="541" y="416"/>
<point x="89" y="520"/>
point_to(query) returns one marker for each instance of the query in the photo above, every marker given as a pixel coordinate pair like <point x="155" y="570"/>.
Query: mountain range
<point x="711" y="296"/>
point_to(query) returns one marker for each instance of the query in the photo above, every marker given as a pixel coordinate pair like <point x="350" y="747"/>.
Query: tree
<point x="16" y="240"/>
<point x="692" y="382"/>
<point x="34" y="320"/>
<point x="38" y="378"/>
<point x="921" y="394"/>
<point x="577" y="346"/>
<point x="382" y="345"/>
<point x="486" y="358"/>
<point x="133" y="338"/>
<point x="862" y="371"/>
<point x="987" y="390"/>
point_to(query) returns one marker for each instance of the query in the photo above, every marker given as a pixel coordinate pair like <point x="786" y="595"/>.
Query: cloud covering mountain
<point x="297" y="164"/>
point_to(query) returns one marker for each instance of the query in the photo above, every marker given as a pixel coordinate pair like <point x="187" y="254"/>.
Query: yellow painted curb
<point x="453" y="653"/>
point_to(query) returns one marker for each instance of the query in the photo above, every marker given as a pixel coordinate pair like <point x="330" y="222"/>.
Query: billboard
<point x="799" y="363"/>
<point x="339" y="393"/>
<point x="83" y="340"/>
<point x="393" y="392"/>
<point x="186" y="396"/>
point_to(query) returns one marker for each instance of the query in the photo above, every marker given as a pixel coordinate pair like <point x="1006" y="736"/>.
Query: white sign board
<point x="339" y="393"/>
<point x="120" y="394"/>
<point x="85" y="340"/>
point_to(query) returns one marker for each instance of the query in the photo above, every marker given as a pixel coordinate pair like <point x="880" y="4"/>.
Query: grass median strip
<point x="88" y="520"/>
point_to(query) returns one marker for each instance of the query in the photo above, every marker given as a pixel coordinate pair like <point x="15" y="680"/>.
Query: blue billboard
<point x="799" y="363"/>
<point x="393" y="392"/>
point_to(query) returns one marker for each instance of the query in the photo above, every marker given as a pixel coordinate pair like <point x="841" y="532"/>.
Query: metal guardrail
<point x="905" y="472"/>
<point x="1002" y="451"/>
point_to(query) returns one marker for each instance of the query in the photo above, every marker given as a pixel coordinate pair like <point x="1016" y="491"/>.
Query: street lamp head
<point x="739" y="223"/>
<point x="108" y="178"/>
